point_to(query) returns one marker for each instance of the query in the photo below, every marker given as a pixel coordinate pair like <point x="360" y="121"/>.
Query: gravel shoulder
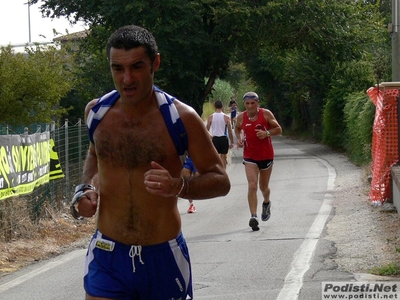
<point x="365" y="236"/>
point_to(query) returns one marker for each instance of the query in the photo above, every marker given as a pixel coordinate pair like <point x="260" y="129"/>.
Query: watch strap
<point x="75" y="200"/>
<point x="84" y="186"/>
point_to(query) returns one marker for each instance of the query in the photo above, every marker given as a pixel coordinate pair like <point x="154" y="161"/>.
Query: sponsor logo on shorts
<point x="179" y="284"/>
<point x="105" y="245"/>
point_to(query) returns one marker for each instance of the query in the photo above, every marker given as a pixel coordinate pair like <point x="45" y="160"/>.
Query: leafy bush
<point x="334" y="126"/>
<point x="208" y="109"/>
<point x="347" y="79"/>
<point x="359" y="112"/>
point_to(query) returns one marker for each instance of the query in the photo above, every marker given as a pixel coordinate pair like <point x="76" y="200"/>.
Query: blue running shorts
<point x="119" y="271"/>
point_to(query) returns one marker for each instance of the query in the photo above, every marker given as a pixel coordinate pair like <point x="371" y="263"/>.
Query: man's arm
<point x="90" y="167"/>
<point x="230" y="131"/>
<point x="88" y="197"/>
<point x="209" y="121"/>
<point x="212" y="180"/>
<point x="89" y="175"/>
<point x="275" y="128"/>
<point x="238" y="129"/>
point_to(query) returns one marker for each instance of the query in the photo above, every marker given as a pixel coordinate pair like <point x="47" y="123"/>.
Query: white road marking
<point x="50" y="265"/>
<point x="302" y="257"/>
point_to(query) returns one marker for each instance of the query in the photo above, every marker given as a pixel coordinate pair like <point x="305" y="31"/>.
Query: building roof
<point x="72" y="36"/>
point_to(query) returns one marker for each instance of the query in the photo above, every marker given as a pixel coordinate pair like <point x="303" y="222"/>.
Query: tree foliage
<point x="32" y="84"/>
<point x="222" y="91"/>
<point x="303" y="57"/>
<point x="197" y="39"/>
<point x="314" y="42"/>
<point x="93" y="80"/>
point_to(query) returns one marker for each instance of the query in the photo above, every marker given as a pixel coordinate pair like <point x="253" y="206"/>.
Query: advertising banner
<point x="26" y="162"/>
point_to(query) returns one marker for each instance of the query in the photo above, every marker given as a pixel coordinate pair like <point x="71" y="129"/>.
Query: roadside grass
<point x="392" y="269"/>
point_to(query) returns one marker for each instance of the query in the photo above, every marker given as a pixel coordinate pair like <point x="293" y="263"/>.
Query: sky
<point x="14" y="24"/>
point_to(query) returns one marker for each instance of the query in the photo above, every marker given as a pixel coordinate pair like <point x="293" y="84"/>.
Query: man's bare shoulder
<point x="186" y="112"/>
<point x="268" y="114"/>
<point x="181" y="106"/>
<point x="89" y="106"/>
<point x="193" y="123"/>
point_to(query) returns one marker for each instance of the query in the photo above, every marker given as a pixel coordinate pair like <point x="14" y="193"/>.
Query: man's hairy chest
<point x="131" y="144"/>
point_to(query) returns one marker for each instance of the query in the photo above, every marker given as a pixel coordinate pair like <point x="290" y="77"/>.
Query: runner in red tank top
<point x="254" y="128"/>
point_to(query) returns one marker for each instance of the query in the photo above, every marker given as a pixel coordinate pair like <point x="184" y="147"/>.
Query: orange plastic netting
<point x="384" y="143"/>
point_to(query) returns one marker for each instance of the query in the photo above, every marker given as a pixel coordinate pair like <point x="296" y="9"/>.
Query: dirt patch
<point x="51" y="237"/>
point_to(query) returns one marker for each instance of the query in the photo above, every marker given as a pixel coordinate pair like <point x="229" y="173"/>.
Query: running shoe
<point x="253" y="223"/>
<point x="191" y="209"/>
<point x="266" y="211"/>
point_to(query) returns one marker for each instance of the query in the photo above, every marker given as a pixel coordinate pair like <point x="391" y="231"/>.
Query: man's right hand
<point x="239" y="143"/>
<point x="88" y="204"/>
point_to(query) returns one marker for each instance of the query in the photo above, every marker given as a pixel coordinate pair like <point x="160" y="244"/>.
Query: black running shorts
<point x="221" y="143"/>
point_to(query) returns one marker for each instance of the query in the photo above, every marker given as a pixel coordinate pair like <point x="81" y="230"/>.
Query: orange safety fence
<point x="384" y="143"/>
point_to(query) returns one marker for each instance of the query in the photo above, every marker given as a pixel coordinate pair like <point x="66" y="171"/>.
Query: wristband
<point x="268" y="133"/>
<point x="183" y="185"/>
<point x="187" y="187"/>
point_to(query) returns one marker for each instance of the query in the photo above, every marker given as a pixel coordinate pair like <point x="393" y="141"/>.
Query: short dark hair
<point x="132" y="36"/>
<point x="218" y="104"/>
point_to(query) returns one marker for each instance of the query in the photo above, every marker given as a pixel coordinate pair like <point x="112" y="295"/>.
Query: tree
<point x="93" y="80"/>
<point x="314" y="42"/>
<point x="222" y="91"/>
<point x="294" y="50"/>
<point x="32" y="84"/>
<point x="197" y="39"/>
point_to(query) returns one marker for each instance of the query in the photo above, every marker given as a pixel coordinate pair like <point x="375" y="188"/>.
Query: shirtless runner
<point x="131" y="178"/>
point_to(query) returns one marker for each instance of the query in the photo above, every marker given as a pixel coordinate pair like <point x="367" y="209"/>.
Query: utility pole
<point x="394" y="31"/>
<point x="29" y="20"/>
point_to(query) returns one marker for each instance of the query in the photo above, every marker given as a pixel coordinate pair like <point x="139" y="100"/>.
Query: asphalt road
<point x="229" y="260"/>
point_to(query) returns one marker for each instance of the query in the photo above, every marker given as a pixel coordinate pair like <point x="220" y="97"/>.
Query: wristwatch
<point x="84" y="186"/>
<point x="74" y="203"/>
<point x="268" y="133"/>
<point x="79" y="193"/>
